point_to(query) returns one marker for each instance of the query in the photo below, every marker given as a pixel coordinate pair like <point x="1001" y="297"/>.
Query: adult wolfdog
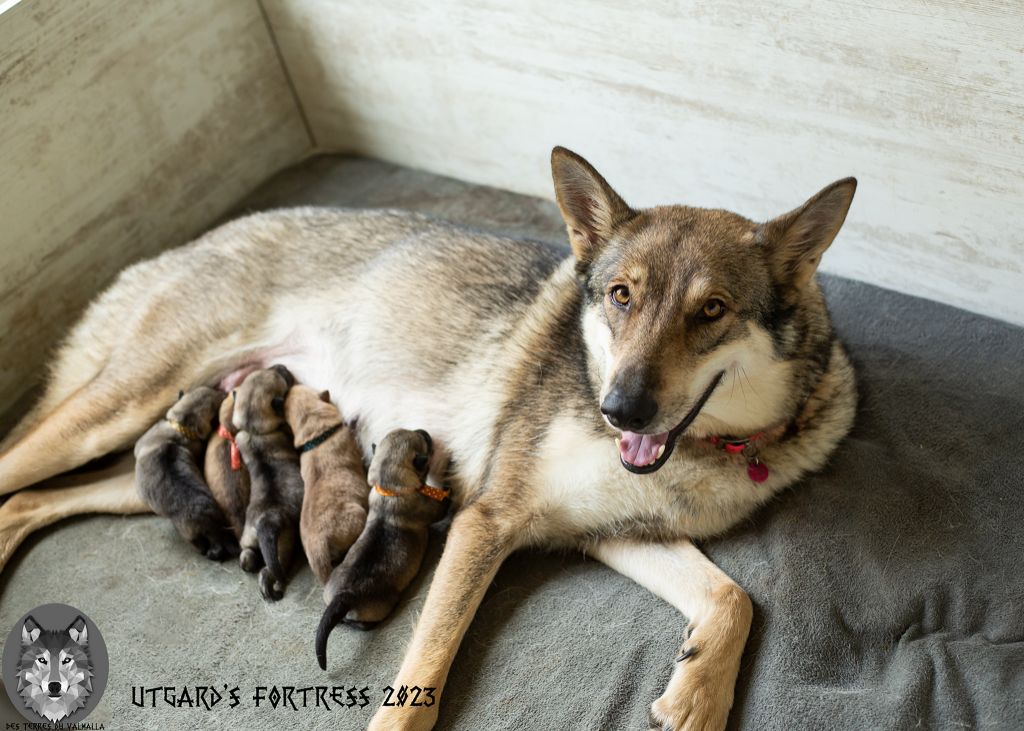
<point x="673" y="373"/>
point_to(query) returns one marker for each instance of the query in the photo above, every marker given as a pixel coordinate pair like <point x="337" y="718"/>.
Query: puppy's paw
<point x="698" y="697"/>
<point x="250" y="560"/>
<point x="203" y="525"/>
<point x="365" y="626"/>
<point x="222" y="547"/>
<point x="270" y="588"/>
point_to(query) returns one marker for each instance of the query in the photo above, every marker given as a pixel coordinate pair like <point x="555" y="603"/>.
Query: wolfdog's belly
<point x="412" y="331"/>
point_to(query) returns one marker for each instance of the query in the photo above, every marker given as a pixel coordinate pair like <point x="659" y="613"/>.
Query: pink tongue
<point x="641" y="450"/>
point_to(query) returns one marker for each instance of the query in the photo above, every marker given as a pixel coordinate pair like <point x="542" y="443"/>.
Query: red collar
<point x="236" y="456"/>
<point x="749" y="448"/>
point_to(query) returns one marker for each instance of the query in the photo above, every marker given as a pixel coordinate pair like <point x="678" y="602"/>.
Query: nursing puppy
<point x="224" y="470"/>
<point x="334" y="503"/>
<point x="275" y="495"/>
<point x="167" y="473"/>
<point x="365" y="588"/>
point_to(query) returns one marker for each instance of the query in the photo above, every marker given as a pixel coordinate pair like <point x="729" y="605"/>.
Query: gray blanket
<point x="888" y="589"/>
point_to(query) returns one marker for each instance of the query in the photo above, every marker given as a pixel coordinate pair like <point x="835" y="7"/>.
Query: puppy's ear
<point x="427" y="439"/>
<point x="180" y="394"/>
<point x="30" y="631"/>
<point x="286" y="374"/>
<point x="277" y="404"/>
<point x="325" y="396"/>
<point x="78" y="631"/>
<point x="796" y="240"/>
<point x="591" y="209"/>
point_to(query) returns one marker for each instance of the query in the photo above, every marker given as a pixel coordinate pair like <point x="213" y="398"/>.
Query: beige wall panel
<point x="125" y="127"/>
<point x="745" y="105"/>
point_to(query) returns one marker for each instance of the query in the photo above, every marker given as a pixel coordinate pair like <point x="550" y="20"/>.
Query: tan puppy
<point x="334" y="502"/>
<point x="365" y="588"/>
<point x="275" y="496"/>
<point x="225" y="471"/>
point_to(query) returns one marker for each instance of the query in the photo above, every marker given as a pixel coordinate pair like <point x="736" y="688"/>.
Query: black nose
<point x="54" y="688"/>
<point x="629" y="411"/>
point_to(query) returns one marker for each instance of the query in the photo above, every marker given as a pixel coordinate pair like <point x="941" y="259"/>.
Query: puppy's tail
<point x="334" y="613"/>
<point x="268" y="530"/>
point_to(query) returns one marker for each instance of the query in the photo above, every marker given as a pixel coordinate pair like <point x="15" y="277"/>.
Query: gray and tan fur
<point x="334" y="479"/>
<point x="275" y="493"/>
<point x="364" y="589"/>
<point x="505" y="351"/>
<point x="229" y="486"/>
<point x="168" y="475"/>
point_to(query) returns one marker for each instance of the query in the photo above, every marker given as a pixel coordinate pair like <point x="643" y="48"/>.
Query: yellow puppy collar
<point x="185" y="431"/>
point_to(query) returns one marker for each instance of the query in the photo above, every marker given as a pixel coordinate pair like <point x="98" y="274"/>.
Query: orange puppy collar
<point x="434" y="493"/>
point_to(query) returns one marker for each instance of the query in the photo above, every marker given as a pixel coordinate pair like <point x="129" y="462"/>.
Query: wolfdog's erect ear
<point x="590" y="207"/>
<point x="796" y="240"/>
<point x="78" y="631"/>
<point x="30" y="631"/>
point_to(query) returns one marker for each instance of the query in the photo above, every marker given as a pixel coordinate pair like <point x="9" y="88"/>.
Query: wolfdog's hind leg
<point x="109" y="490"/>
<point x="103" y="417"/>
<point x="79" y="359"/>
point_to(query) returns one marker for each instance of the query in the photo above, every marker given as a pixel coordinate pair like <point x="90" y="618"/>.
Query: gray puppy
<point x="275" y="493"/>
<point x="365" y="587"/>
<point x="169" y="479"/>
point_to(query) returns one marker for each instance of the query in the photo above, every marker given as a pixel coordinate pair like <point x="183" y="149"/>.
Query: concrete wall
<point x="125" y="127"/>
<point x="749" y="106"/>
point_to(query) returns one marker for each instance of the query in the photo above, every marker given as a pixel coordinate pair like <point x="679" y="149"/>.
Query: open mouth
<point x="642" y="454"/>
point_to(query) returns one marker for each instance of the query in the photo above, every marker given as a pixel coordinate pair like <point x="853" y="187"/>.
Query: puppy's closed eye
<point x="420" y="461"/>
<point x="277" y="404"/>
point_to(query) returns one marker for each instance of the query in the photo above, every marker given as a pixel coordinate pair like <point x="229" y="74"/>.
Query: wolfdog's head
<point x="694" y="318"/>
<point x="54" y="673"/>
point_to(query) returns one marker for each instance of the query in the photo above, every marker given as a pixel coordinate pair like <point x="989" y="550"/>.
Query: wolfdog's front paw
<point x="698" y="698"/>
<point x="404" y="718"/>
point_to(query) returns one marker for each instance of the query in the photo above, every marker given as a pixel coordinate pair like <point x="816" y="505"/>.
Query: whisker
<point x="751" y="384"/>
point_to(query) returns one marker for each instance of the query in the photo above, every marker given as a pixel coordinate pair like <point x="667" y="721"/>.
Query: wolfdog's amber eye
<point x="713" y="309"/>
<point x="620" y="295"/>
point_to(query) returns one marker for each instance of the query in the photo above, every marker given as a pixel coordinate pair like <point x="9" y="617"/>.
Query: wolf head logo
<point x="54" y="672"/>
